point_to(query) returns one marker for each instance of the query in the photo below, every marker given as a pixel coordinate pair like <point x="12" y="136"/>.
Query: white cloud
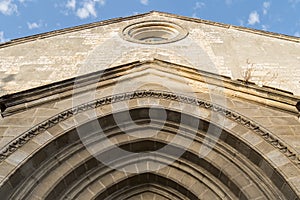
<point x="2" y="38"/>
<point x="264" y="27"/>
<point x="253" y="18"/>
<point x="7" y="7"/>
<point x="266" y="6"/>
<point x="199" y="5"/>
<point x="82" y="13"/>
<point x="294" y="1"/>
<point x="89" y="8"/>
<point x="34" y="25"/>
<point x="101" y="2"/>
<point x="228" y="2"/>
<point x="71" y="4"/>
<point x="241" y="22"/>
<point x="144" y="2"/>
<point x="297" y="34"/>
<point x="23" y="1"/>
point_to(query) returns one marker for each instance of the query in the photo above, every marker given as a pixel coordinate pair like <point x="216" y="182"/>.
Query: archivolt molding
<point x="190" y="165"/>
<point x="291" y="154"/>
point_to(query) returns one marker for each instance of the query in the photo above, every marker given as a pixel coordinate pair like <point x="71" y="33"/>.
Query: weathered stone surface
<point x="235" y="144"/>
<point x="99" y="47"/>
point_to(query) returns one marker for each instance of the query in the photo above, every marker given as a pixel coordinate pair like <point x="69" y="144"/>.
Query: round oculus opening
<point x="154" y="32"/>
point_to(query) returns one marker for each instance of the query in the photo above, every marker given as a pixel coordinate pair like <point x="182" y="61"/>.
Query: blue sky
<point x="19" y="18"/>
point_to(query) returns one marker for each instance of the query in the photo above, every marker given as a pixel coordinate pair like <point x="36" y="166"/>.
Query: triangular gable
<point x="240" y="53"/>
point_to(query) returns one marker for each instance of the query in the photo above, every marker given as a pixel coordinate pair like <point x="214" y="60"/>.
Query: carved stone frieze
<point x="250" y="124"/>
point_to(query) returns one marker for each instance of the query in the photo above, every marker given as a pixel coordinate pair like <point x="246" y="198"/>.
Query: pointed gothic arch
<point x="63" y="167"/>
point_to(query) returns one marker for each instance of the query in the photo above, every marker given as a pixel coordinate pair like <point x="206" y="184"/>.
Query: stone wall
<point x="231" y="51"/>
<point x="252" y="56"/>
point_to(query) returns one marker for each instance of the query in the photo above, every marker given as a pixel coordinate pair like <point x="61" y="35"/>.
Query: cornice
<point x="272" y="97"/>
<point x="229" y="26"/>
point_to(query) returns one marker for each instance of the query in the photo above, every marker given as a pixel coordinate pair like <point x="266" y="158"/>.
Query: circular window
<point x="154" y="32"/>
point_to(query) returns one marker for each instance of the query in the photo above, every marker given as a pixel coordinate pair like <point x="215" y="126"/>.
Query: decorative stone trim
<point x="271" y="97"/>
<point x="153" y="32"/>
<point x="265" y="134"/>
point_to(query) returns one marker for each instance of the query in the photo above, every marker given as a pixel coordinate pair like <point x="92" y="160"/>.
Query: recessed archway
<point x="232" y="168"/>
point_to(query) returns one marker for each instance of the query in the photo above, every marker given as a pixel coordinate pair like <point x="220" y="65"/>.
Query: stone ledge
<point x="21" y="101"/>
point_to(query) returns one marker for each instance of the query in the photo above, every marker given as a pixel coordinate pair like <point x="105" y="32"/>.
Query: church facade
<point x="152" y="106"/>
